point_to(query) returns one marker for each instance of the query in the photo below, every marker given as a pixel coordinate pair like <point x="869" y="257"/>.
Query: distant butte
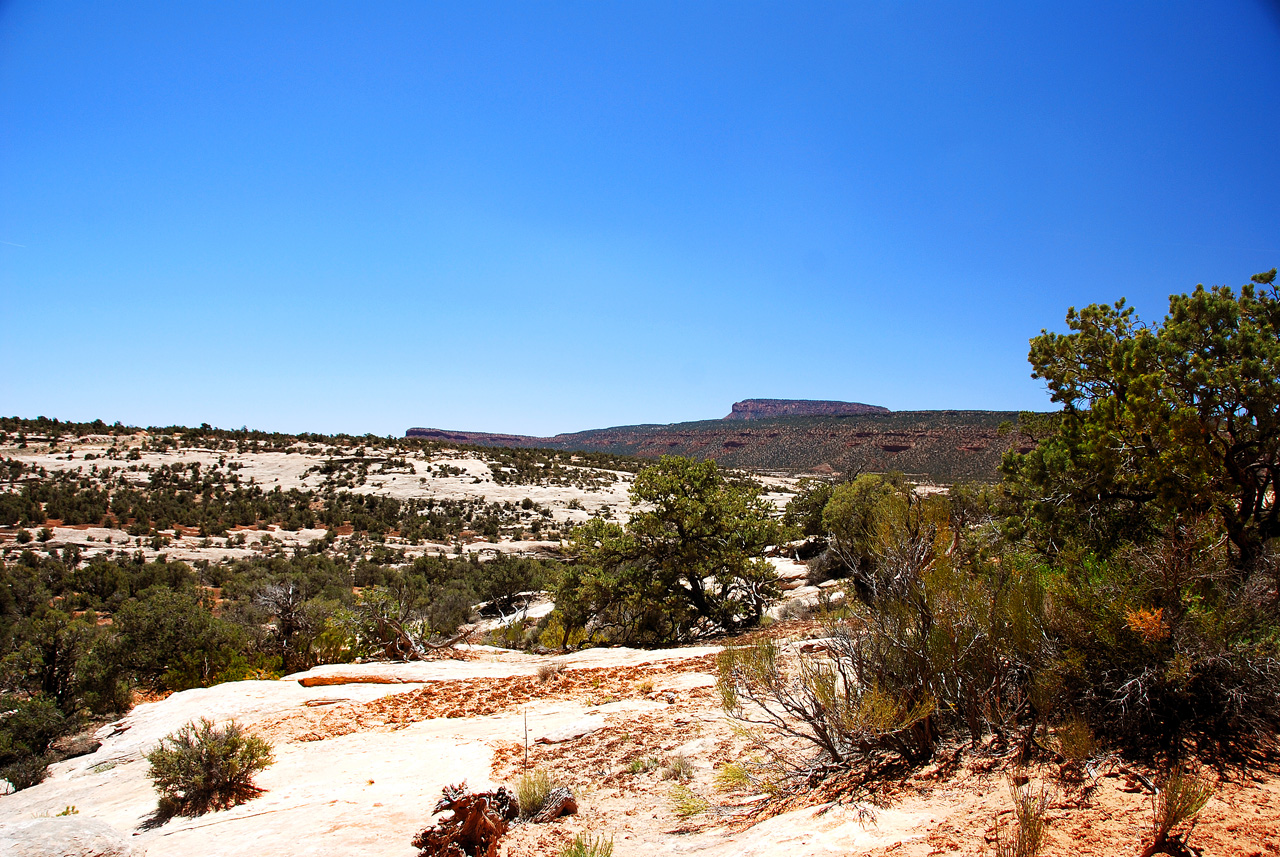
<point x="797" y="436"/>
<point x="763" y="409"/>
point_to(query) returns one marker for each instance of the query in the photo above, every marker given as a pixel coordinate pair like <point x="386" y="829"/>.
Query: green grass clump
<point x="732" y="777"/>
<point x="1028" y="810"/>
<point x="589" y="846"/>
<point x="1178" y="803"/>
<point x="643" y="765"/>
<point x="686" y="802"/>
<point x="532" y="790"/>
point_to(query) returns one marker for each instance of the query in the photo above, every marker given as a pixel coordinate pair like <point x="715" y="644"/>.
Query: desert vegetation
<point x="686" y="566"/>
<point x="204" y="767"/>
<point x="1115" y="594"/>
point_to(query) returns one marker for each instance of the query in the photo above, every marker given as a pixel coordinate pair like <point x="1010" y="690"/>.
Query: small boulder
<point x="71" y="746"/>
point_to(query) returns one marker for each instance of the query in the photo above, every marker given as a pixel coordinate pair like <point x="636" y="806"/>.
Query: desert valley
<point x="700" y="428"/>
<point x="364" y="747"/>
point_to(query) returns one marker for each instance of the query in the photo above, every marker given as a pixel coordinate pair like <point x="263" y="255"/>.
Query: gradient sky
<point x="546" y="217"/>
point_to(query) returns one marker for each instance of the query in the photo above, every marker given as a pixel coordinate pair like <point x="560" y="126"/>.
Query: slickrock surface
<point x="360" y="765"/>
<point x="63" y="836"/>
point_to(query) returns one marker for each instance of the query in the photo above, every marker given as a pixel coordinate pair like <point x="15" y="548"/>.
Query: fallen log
<point x="401" y="645"/>
<point x="352" y="678"/>
<point x="559" y="802"/>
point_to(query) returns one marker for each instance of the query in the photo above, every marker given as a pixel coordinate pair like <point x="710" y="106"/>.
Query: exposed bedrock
<point x="759" y="409"/>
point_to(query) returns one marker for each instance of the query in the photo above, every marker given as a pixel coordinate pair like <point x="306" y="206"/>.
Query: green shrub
<point x="820" y="700"/>
<point x="1150" y="497"/>
<point x="203" y="767"/>
<point x="169" y="639"/>
<point x="1163" y="655"/>
<point x="931" y="648"/>
<point x="804" y="511"/>
<point x="554" y="634"/>
<point x="27" y="771"/>
<point x="588" y="846"/>
<point x="27" y="729"/>
<point x="1074" y="740"/>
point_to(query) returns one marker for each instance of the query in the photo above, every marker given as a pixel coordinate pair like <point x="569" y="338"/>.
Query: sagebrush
<point x="204" y="767"/>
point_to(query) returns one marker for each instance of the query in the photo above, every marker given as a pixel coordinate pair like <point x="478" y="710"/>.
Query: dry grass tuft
<point x="589" y="846"/>
<point x="1028" y="811"/>
<point x="531" y="791"/>
<point x="1181" y="798"/>
<point x="677" y="768"/>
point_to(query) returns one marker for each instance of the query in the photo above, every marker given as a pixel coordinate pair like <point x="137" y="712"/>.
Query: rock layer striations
<point x="758" y="409"/>
<point x="936" y="446"/>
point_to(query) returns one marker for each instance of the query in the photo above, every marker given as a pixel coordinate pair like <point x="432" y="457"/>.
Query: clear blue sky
<point x="545" y="217"/>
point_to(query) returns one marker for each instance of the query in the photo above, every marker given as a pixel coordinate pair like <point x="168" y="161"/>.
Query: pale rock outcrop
<point x="591" y="723"/>
<point x="791" y="574"/>
<point x="360" y="794"/>
<point x="63" y="836"/>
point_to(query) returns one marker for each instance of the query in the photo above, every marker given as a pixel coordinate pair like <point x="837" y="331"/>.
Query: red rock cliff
<point x="759" y="409"/>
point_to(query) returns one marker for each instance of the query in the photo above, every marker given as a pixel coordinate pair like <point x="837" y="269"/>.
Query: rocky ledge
<point x="760" y="409"/>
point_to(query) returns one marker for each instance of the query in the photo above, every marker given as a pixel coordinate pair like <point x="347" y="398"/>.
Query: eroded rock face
<point x="63" y="836"/>
<point x="759" y="409"/>
<point x="798" y="435"/>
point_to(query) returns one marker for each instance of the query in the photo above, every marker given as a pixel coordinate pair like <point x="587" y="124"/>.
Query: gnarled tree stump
<point x="473" y="829"/>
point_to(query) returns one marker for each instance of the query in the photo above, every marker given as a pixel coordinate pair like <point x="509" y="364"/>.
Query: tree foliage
<point x="686" y="565"/>
<point x="1151" y="500"/>
<point x="1161" y="421"/>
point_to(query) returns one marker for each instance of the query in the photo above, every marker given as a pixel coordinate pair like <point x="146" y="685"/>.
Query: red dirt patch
<point x="476" y="697"/>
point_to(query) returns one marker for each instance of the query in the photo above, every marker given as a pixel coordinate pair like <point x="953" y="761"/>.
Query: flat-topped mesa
<point x="481" y="438"/>
<point x="759" y="409"/>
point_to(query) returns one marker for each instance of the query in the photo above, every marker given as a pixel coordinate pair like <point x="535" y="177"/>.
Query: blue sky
<point x="545" y="217"/>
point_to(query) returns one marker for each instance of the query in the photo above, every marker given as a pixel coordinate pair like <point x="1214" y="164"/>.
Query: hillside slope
<point x="938" y="446"/>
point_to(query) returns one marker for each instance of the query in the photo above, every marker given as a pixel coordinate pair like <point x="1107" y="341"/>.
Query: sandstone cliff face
<point x="760" y="409"/>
